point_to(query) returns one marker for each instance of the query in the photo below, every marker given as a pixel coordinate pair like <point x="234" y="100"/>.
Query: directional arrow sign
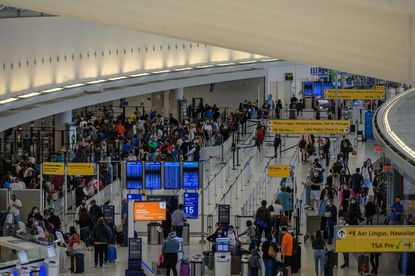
<point x="341" y="234"/>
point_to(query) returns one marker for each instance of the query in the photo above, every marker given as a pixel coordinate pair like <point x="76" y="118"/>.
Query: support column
<point x="175" y="96"/>
<point x="61" y="122"/>
<point x="166" y="104"/>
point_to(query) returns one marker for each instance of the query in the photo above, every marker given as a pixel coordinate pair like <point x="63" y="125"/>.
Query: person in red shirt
<point x="73" y="239"/>
<point x="287" y="249"/>
<point x="120" y="129"/>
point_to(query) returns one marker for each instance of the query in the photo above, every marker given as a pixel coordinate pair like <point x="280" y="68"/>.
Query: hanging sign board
<point x="394" y="238"/>
<point x="53" y="168"/>
<point x="309" y="126"/>
<point x="81" y="169"/>
<point x="191" y="205"/>
<point x="279" y="171"/>
<point x="378" y="93"/>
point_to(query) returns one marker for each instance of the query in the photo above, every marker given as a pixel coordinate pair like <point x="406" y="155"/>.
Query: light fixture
<point x="269" y="60"/>
<point x="9" y="100"/>
<point x="96" y="81"/>
<point x="247" y="61"/>
<point x="161" y="72"/>
<point x="205" y="66"/>
<point x="225" y="64"/>
<point x="140" y="75"/>
<point x="117" y="78"/>
<point x="74" y="85"/>
<point x="29" y="95"/>
<point x="183" y="69"/>
<point x="52" y="90"/>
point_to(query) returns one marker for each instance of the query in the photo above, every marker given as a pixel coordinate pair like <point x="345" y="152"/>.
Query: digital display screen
<point x="222" y="245"/>
<point x="51" y="251"/>
<point x="23" y="259"/>
<point x="152" y="175"/>
<point x="191" y="205"/>
<point x="308" y="88"/>
<point x="134" y="175"/>
<point x="171" y="175"/>
<point x="172" y="201"/>
<point x="191" y="175"/>
<point x="134" y="248"/>
<point x="149" y="210"/>
<point x="318" y="89"/>
<point x="327" y="86"/>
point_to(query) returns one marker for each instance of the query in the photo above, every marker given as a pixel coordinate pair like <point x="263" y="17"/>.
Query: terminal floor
<point x="388" y="262"/>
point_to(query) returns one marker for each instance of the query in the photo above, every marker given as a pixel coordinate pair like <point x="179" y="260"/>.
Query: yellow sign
<point x="375" y="238"/>
<point x="309" y="126"/>
<point x="279" y="171"/>
<point x="52" y="168"/>
<point x="81" y="168"/>
<point x="357" y="94"/>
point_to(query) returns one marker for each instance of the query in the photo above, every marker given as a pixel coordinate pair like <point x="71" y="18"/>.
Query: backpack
<point x="302" y="144"/>
<point x="337" y="167"/>
<point x="254" y="261"/>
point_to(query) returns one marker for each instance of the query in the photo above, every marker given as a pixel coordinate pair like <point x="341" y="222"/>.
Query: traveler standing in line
<point x="101" y="238"/>
<point x="370" y="169"/>
<point x="254" y="263"/>
<point x="14" y="208"/>
<point x="277" y="213"/>
<point x="178" y="218"/>
<point x="397" y="211"/>
<point x="54" y="220"/>
<point x="345" y="148"/>
<point x="356" y="181"/>
<point x="85" y="224"/>
<point x="366" y="176"/>
<point x="263" y="220"/>
<point x="124" y="220"/>
<point x="287" y="249"/>
<point x="355" y="215"/>
<point x="286" y="200"/>
<point x="302" y="145"/>
<point x="330" y="215"/>
<point x="94" y="211"/>
<point x="269" y="246"/>
<point x="326" y="151"/>
<point x="374" y="261"/>
<point x="250" y="232"/>
<point x="370" y="210"/>
<point x="318" y="245"/>
<point x="170" y="250"/>
<point x="346" y="194"/>
<point x="277" y="143"/>
<point x="343" y="222"/>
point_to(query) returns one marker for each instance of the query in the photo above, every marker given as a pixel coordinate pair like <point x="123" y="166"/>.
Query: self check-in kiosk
<point x="52" y="265"/>
<point x="134" y="257"/>
<point x="222" y="257"/>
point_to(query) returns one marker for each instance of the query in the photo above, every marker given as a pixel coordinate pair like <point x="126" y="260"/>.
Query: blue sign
<point x="191" y="205"/>
<point x="172" y="175"/>
<point x="136" y="197"/>
<point x="191" y="175"/>
<point x="134" y="175"/>
<point x="152" y="177"/>
<point x="369" y="125"/>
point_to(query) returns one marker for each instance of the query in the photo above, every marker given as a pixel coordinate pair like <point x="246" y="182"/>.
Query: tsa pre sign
<point x="53" y="168"/>
<point x="375" y="238"/>
<point x="309" y="126"/>
<point x="279" y="171"/>
<point x="81" y="168"/>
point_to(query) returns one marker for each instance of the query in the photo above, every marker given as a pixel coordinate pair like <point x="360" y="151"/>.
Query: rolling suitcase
<point x="184" y="269"/>
<point x="296" y="259"/>
<point x="77" y="263"/>
<point x="363" y="264"/>
<point x="236" y="265"/>
<point x="112" y="253"/>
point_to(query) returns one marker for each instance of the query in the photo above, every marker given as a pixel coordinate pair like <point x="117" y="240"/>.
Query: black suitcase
<point x="296" y="260"/>
<point x="77" y="263"/>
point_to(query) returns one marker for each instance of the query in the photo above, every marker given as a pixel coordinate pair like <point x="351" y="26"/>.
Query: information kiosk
<point x="23" y="261"/>
<point x="52" y="266"/>
<point x="134" y="257"/>
<point x="222" y="257"/>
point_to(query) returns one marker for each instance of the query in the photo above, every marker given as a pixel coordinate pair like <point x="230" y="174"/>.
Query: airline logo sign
<point x="309" y="126"/>
<point x="81" y="169"/>
<point x="375" y="238"/>
<point x="378" y="93"/>
<point x="52" y="168"/>
<point x="279" y="171"/>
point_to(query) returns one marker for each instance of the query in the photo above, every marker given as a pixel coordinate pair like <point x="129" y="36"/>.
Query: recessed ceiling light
<point x="29" y="95"/>
<point x="225" y="64"/>
<point x="75" y="85"/>
<point x="52" y="90"/>
<point x="96" y="81"/>
<point x="247" y="61"/>
<point x="183" y="69"/>
<point x="9" y="100"/>
<point x="117" y="78"/>
<point x="269" y="59"/>
<point x="205" y="66"/>
<point x="140" y="75"/>
<point x="161" y="72"/>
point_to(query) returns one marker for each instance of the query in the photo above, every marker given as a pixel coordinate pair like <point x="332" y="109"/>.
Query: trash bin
<point x="186" y="234"/>
<point x="245" y="265"/>
<point x="35" y="271"/>
<point x="196" y="266"/>
<point x="153" y="235"/>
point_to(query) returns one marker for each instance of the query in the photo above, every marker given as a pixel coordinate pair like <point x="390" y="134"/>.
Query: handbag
<point x="9" y="218"/>
<point x="261" y="223"/>
<point x="161" y="260"/>
<point x="271" y="252"/>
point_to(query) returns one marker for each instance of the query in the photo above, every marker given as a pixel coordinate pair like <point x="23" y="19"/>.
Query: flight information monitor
<point x="134" y="175"/>
<point x="190" y="175"/>
<point x="171" y="175"/>
<point x="152" y="172"/>
<point x="308" y="89"/>
<point x="318" y="89"/>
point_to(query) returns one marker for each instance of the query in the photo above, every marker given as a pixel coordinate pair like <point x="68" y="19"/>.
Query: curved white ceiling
<point x="368" y="37"/>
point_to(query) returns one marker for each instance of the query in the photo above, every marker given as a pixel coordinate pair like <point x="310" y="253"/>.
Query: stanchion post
<point x="237" y="156"/>
<point x="42" y="201"/>
<point x="98" y="201"/>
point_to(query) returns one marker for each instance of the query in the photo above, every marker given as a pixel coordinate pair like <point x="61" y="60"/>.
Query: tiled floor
<point x="150" y="252"/>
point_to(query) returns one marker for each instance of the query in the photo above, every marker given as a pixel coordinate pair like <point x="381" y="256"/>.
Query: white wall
<point x="300" y="72"/>
<point x="42" y="52"/>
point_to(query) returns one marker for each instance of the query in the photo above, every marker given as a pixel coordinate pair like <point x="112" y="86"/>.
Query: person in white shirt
<point x="276" y="214"/>
<point x="233" y="240"/>
<point x="14" y="208"/>
<point x="18" y="185"/>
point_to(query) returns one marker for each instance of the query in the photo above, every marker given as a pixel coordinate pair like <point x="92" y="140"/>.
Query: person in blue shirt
<point x="286" y="200"/>
<point x="170" y="250"/>
<point x="396" y="212"/>
<point x="331" y="219"/>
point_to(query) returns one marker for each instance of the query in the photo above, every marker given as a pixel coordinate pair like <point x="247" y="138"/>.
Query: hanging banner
<point x="378" y="93"/>
<point x="309" y="126"/>
<point x="373" y="238"/>
<point x="279" y="171"/>
<point x="53" y="168"/>
<point x="81" y="169"/>
<point x="369" y="125"/>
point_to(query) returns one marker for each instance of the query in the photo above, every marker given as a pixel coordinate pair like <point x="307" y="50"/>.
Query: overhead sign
<point x="191" y="205"/>
<point x="375" y="238"/>
<point x="387" y="168"/>
<point x="378" y="93"/>
<point x="149" y="210"/>
<point x="378" y="149"/>
<point x="369" y="125"/>
<point x="53" y="168"/>
<point x="81" y="169"/>
<point x="137" y="197"/>
<point x="224" y="214"/>
<point x="309" y="126"/>
<point x="279" y="171"/>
